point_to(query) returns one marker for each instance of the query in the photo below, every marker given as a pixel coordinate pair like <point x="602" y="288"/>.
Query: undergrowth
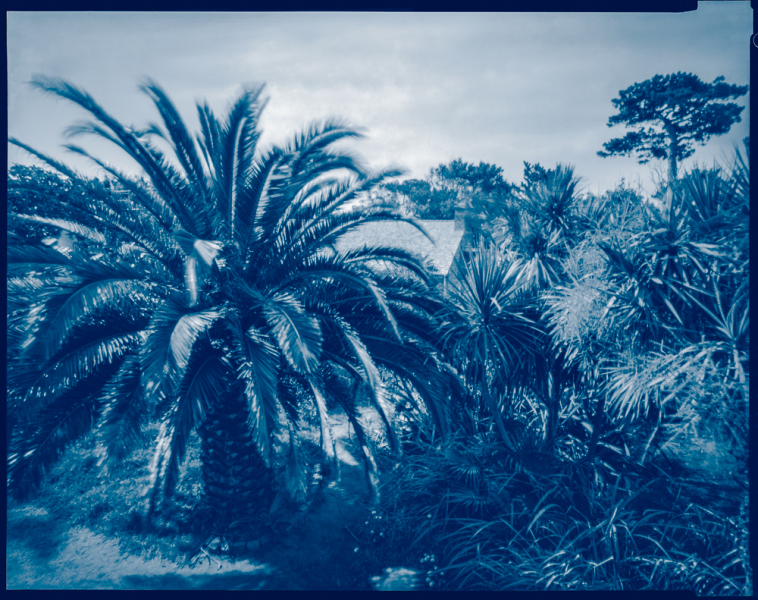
<point x="76" y="492"/>
<point x="467" y="519"/>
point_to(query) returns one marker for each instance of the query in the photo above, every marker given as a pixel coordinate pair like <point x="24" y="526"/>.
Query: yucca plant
<point x="489" y="332"/>
<point x="208" y="291"/>
<point x="554" y="202"/>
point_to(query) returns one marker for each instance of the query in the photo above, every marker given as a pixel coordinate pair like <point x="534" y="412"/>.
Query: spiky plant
<point x="205" y="286"/>
<point x="489" y="332"/>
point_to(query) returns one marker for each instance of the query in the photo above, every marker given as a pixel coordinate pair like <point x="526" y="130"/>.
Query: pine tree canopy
<point x="670" y="114"/>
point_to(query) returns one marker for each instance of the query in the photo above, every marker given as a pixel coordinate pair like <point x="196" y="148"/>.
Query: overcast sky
<point x="427" y="87"/>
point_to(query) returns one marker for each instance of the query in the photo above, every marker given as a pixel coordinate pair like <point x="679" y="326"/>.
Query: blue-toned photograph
<point x="379" y="301"/>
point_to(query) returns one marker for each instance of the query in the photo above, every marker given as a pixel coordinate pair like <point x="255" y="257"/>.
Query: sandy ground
<point x="321" y="553"/>
<point x="86" y="560"/>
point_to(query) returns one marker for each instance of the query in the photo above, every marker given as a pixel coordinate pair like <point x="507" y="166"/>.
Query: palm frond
<point x="327" y="437"/>
<point x="316" y="137"/>
<point x="297" y="334"/>
<point x="86" y="299"/>
<point x="164" y="177"/>
<point x="296" y="474"/>
<point x="58" y="424"/>
<point x="253" y="201"/>
<point x="257" y="366"/>
<point x="235" y="151"/>
<point x="71" y="226"/>
<point x="173" y="332"/>
<point x="92" y="128"/>
<point x="58" y="166"/>
<point x="152" y="203"/>
<point x="343" y="397"/>
<point x="124" y="409"/>
<point x="71" y="369"/>
<point x="198" y="201"/>
<point x="374" y="384"/>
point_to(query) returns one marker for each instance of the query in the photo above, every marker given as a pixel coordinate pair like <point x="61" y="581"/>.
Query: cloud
<point x="428" y="87"/>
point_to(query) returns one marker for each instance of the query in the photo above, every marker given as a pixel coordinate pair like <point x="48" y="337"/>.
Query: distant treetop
<point x="670" y="114"/>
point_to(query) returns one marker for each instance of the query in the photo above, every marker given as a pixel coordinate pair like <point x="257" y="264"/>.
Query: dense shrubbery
<point x="643" y="486"/>
<point x="570" y="414"/>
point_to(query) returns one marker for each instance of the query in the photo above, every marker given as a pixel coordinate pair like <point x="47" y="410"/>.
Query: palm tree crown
<point x="208" y="287"/>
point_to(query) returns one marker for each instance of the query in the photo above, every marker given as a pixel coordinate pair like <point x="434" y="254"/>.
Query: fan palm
<point x="215" y="287"/>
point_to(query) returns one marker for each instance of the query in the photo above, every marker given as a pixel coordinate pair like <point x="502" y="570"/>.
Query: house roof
<point x="398" y="234"/>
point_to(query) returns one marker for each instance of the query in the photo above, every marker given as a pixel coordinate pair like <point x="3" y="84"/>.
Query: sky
<point x="426" y="88"/>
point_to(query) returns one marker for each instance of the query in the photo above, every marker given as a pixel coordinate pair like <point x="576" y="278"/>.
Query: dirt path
<point x="323" y="551"/>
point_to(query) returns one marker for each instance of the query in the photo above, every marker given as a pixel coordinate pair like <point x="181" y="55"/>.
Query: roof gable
<point x="402" y="235"/>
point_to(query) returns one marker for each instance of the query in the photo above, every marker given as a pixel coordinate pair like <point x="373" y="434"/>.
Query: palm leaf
<point x="206" y="221"/>
<point x="327" y="437"/>
<point x="296" y="474"/>
<point x="118" y="429"/>
<point x="298" y="334"/>
<point x="152" y="203"/>
<point x="60" y="167"/>
<point x="85" y="300"/>
<point x="61" y="422"/>
<point x="374" y="384"/>
<point x="173" y="333"/>
<point x="163" y="176"/>
<point x="344" y="398"/>
<point x="257" y="366"/>
<point x="76" y="366"/>
<point x="252" y="202"/>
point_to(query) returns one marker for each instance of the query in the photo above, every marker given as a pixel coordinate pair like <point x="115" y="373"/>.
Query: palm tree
<point x="489" y="332"/>
<point x="541" y="231"/>
<point x="223" y="295"/>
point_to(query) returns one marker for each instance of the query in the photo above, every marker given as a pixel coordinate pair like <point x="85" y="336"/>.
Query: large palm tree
<point x="211" y="296"/>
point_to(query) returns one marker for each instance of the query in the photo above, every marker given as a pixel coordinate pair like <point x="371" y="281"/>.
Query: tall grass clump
<point x="610" y="525"/>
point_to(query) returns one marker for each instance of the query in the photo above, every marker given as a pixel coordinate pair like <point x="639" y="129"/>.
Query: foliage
<point x="418" y="198"/>
<point x="445" y="188"/>
<point x="228" y="285"/>
<point x="75" y="495"/>
<point x="489" y="332"/>
<point x="587" y="364"/>
<point x="491" y="527"/>
<point x="681" y="109"/>
<point x="542" y="226"/>
<point x="467" y="177"/>
<point x="638" y="316"/>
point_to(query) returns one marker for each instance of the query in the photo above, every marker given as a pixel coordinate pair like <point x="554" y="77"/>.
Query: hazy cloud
<point x="498" y="87"/>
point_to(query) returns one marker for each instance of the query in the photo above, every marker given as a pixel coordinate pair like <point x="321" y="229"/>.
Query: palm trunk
<point x="596" y="425"/>
<point x="237" y="481"/>
<point x="492" y="404"/>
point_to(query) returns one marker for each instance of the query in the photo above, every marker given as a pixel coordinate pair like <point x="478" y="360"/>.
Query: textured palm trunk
<point x="237" y="482"/>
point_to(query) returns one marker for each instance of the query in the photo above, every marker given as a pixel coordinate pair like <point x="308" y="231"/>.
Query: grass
<point x="453" y="516"/>
<point x="75" y="494"/>
<point x="83" y="530"/>
<point x="575" y="527"/>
